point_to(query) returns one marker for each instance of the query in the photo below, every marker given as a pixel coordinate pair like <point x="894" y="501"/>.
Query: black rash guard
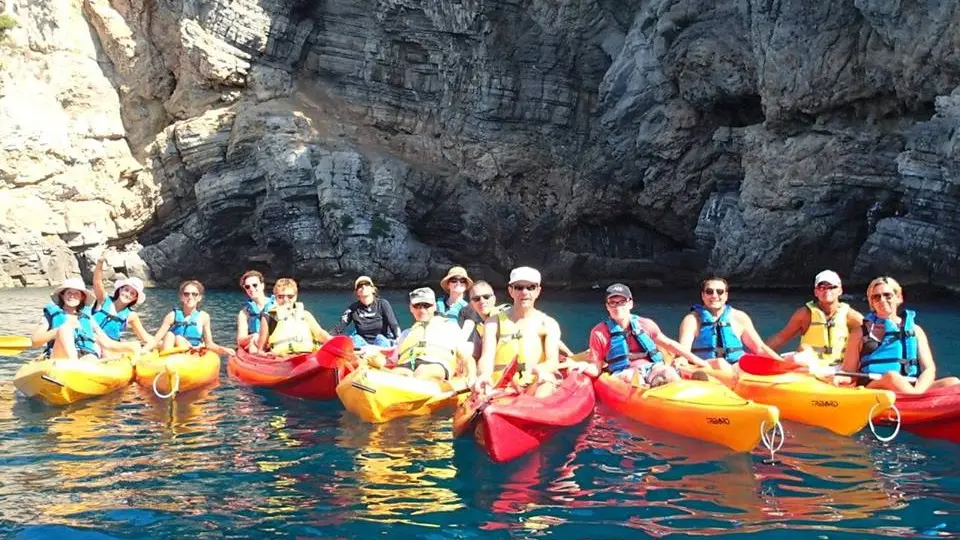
<point x="377" y="318"/>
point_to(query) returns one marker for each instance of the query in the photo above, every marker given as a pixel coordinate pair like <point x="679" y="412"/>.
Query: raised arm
<point x="798" y="321"/>
<point x="98" y="290"/>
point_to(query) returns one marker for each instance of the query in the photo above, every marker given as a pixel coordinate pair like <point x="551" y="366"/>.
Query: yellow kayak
<point x="378" y="395"/>
<point x="708" y="411"/>
<point x="804" y="398"/>
<point x="170" y="372"/>
<point x="63" y="381"/>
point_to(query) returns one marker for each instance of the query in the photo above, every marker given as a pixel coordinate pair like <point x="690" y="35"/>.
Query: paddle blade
<point x="14" y="345"/>
<point x="508" y="372"/>
<point x="335" y="351"/>
<point x="756" y="364"/>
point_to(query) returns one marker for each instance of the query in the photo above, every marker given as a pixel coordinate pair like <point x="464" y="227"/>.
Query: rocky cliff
<point x="650" y="140"/>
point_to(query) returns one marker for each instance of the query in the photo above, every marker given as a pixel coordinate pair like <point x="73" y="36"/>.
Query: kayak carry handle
<point x="769" y="442"/>
<point x="873" y="428"/>
<point x="174" y="377"/>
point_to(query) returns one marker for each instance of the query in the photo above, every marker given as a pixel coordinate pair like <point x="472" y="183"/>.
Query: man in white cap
<point x="823" y="324"/>
<point x="525" y="333"/>
<point x="69" y="330"/>
<point x="432" y="349"/>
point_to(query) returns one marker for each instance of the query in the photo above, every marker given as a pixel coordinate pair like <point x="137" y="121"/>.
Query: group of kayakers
<point x="467" y="334"/>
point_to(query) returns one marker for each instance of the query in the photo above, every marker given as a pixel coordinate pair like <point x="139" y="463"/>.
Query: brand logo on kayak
<point x="718" y="420"/>
<point x="824" y="403"/>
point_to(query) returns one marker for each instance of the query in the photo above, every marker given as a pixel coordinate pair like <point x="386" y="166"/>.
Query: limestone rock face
<point x="651" y="141"/>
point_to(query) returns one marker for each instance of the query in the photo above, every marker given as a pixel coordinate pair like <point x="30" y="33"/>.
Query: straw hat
<point x="74" y="283"/>
<point x="134" y="282"/>
<point x="456" y="271"/>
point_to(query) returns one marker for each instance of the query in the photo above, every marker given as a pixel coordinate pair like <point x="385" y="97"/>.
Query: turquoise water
<point x="232" y="462"/>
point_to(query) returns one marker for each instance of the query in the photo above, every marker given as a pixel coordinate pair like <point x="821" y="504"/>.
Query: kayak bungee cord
<point x="873" y="428"/>
<point x="174" y="386"/>
<point x="768" y="442"/>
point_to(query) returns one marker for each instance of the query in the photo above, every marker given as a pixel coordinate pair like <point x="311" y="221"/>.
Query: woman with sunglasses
<point x="287" y="328"/>
<point x="372" y="317"/>
<point x="891" y="344"/>
<point x="248" y="320"/>
<point x="188" y="326"/>
<point x="719" y="333"/>
<point x="455" y="284"/>
<point x="115" y="313"/>
<point x="823" y="324"/>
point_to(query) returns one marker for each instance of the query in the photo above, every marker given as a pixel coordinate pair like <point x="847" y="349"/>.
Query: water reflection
<point x="400" y="468"/>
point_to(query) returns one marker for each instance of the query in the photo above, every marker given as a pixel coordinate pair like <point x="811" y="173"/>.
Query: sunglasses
<point x="286" y="296"/>
<point x="479" y="297"/>
<point x="885" y="296"/>
<point x="187" y="294"/>
<point x="422" y="306"/>
<point x="362" y="285"/>
<point x="826" y="287"/>
<point x="525" y="287"/>
<point x="456" y="280"/>
<point x="616" y="303"/>
<point x="718" y="292"/>
<point x="250" y="286"/>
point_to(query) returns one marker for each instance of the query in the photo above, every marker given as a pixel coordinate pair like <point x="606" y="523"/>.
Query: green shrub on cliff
<point x="6" y="23"/>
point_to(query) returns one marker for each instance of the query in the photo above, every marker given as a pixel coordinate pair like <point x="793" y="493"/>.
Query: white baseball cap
<point x="827" y="276"/>
<point x="525" y="273"/>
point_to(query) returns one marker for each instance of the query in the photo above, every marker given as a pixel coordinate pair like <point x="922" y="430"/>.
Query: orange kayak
<point x="708" y="411"/>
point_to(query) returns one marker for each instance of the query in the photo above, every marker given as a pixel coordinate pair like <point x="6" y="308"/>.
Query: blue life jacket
<point x="716" y="338"/>
<point x="83" y="336"/>
<point x="897" y="350"/>
<point x="188" y="328"/>
<point x="254" y="313"/>
<point x="453" y="311"/>
<point x="618" y="355"/>
<point x="111" y="321"/>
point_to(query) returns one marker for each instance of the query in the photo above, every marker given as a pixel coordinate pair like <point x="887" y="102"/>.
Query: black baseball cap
<point x="619" y="289"/>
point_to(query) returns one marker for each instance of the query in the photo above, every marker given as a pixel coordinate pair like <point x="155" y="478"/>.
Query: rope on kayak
<point x="174" y="387"/>
<point x="770" y="443"/>
<point x="873" y="428"/>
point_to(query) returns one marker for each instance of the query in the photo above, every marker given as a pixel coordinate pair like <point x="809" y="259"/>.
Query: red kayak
<point x="312" y="375"/>
<point x="934" y="414"/>
<point x="511" y="425"/>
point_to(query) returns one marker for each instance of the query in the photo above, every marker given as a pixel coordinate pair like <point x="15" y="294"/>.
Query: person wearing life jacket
<point x="455" y="284"/>
<point x="823" y="324"/>
<point x="371" y="316"/>
<point x="890" y="343"/>
<point x="69" y="331"/>
<point x="626" y="343"/>
<point x="525" y="333"/>
<point x="188" y="326"/>
<point x="483" y="304"/>
<point x="288" y="328"/>
<point x="248" y="320"/>
<point x="432" y="349"/>
<point x="719" y="333"/>
<point x="115" y="313"/>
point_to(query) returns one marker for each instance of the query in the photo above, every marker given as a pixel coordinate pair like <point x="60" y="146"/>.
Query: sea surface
<point x="234" y="462"/>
